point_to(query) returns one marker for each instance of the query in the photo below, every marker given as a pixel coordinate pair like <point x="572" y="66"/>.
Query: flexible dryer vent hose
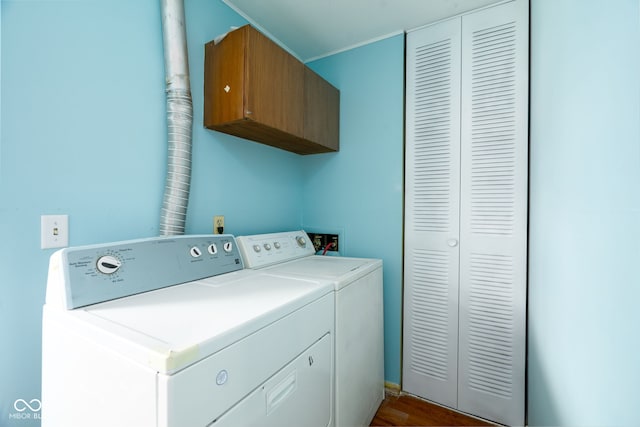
<point x="179" y="119"/>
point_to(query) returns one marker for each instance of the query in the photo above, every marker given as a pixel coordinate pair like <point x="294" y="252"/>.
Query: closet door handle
<point x="452" y="243"/>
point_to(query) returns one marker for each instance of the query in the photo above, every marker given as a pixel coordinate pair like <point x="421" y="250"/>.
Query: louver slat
<point x="429" y="352"/>
<point x="491" y="328"/>
<point x="432" y="155"/>
<point x="493" y="212"/>
<point x="465" y="212"/>
<point x="491" y="149"/>
<point x="493" y="129"/>
<point x="432" y="178"/>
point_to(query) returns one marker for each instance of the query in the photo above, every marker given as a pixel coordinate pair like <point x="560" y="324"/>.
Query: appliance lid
<point x="339" y="270"/>
<point x="171" y="328"/>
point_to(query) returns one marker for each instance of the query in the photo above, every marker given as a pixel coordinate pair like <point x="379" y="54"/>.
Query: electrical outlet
<point x="54" y="231"/>
<point x="218" y="224"/>
<point x="321" y="240"/>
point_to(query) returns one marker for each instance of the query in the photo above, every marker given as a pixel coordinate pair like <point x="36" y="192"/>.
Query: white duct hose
<point x="179" y="119"/>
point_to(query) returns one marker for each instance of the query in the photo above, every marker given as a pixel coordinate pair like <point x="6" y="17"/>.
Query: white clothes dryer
<point x="172" y="332"/>
<point x="359" y="347"/>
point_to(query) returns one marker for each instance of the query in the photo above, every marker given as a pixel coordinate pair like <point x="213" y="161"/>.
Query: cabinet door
<point x="224" y="80"/>
<point x="432" y="178"/>
<point x="274" y="86"/>
<point x="321" y="111"/>
<point x="493" y="209"/>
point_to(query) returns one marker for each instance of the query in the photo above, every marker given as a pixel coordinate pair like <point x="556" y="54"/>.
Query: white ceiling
<point x="311" y="29"/>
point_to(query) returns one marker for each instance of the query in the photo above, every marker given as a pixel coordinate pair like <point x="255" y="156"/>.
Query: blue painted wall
<point x="584" y="280"/>
<point x="358" y="191"/>
<point x="257" y="187"/>
<point x="83" y="134"/>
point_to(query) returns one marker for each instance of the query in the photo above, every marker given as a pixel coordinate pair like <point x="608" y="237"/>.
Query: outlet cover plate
<point x="218" y="222"/>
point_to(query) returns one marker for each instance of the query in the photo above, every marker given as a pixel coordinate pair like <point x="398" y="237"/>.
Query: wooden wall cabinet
<point x="255" y="90"/>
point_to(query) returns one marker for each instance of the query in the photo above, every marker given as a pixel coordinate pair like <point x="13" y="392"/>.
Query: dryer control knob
<point x="302" y="242"/>
<point x="108" y="264"/>
<point x="228" y="246"/>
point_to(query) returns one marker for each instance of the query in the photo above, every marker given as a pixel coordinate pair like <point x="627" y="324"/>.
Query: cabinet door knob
<point x="452" y="242"/>
<point x="227" y="88"/>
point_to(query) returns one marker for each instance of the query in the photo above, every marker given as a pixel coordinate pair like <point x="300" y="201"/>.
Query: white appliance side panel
<point x="87" y="384"/>
<point x="430" y="343"/>
<point x="202" y="392"/>
<point x="359" y="351"/>
<point x="300" y="394"/>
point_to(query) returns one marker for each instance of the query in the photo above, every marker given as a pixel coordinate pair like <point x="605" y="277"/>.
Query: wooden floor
<point x="406" y="410"/>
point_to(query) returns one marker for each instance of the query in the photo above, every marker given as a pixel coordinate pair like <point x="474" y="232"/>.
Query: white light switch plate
<point x="54" y="231"/>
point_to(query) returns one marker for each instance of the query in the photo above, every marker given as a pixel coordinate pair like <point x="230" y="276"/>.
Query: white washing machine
<point x="359" y="349"/>
<point x="173" y="332"/>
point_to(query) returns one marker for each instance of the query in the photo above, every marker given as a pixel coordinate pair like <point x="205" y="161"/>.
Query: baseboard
<point x="392" y="389"/>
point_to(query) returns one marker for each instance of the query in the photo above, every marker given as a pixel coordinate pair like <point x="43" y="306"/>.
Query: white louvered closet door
<point x="493" y="213"/>
<point x="432" y="175"/>
<point x="466" y="171"/>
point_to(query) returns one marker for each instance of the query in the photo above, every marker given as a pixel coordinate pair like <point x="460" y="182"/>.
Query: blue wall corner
<point x="84" y="134"/>
<point x="584" y="243"/>
<point x="359" y="191"/>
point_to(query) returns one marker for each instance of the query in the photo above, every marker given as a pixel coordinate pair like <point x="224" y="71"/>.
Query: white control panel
<point x="262" y="250"/>
<point x="87" y="275"/>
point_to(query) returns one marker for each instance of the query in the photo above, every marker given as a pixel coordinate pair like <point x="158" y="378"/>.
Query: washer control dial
<point x="212" y="249"/>
<point x="195" y="252"/>
<point x="108" y="264"/>
<point x="228" y="246"/>
<point x="302" y="242"/>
